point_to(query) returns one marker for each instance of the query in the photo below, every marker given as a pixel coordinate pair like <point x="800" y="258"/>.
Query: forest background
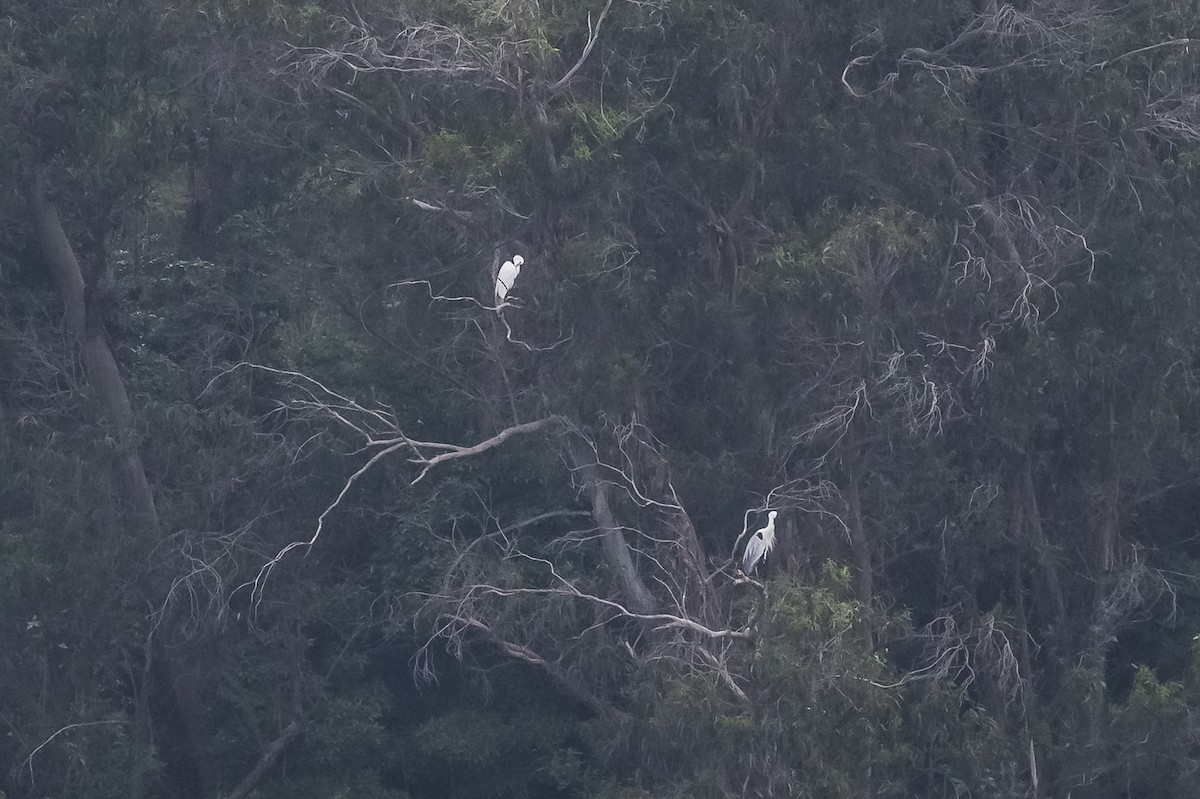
<point x="289" y="508"/>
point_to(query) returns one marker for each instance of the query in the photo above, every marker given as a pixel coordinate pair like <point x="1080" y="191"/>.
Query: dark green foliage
<point x="921" y="276"/>
<point x="828" y="715"/>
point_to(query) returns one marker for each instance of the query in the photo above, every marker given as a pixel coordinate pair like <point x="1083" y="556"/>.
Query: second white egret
<point x="759" y="545"/>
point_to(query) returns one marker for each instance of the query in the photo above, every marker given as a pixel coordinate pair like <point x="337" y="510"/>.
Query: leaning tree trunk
<point x="88" y="330"/>
<point x="616" y="549"/>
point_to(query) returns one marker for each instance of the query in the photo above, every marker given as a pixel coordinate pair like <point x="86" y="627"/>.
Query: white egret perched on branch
<point x="759" y="545"/>
<point x="507" y="276"/>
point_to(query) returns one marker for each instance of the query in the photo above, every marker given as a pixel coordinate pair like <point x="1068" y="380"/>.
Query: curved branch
<point x="58" y="732"/>
<point x="560" y="676"/>
<point x="1168" y="43"/>
<point x="568" y="589"/>
<point x="855" y="62"/>
<point x="616" y="548"/>
<point x="389" y="446"/>
<point x="269" y="756"/>
<point x="593" y="35"/>
<point x="482" y="446"/>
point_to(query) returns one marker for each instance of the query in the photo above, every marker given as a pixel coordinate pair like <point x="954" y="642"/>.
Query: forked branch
<point x="593" y="35"/>
<point x="319" y="401"/>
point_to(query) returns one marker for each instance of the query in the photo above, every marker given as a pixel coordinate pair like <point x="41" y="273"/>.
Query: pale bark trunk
<point x="88" y="330"/>
<point x="700" y="590"/>
<point x="616" y="548"/>
<point x="687" y="558"/>
<point x="98" y="358"/>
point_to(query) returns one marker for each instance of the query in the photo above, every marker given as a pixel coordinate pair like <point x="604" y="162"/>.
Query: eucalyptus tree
<point x="908" y="199"/>
<point x="120" y="516"/>
<point x="915" y="278"/>
<point x="81" y="139"/>
<point x="1009" y="117"/>
<point x="550" y="155"/>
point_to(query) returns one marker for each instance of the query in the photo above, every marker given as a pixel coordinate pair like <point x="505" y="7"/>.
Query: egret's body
<point x="759" y="545"/>
<point x="507" y="276"/>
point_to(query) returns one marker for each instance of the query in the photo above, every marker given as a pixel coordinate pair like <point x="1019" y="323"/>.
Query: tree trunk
<point x="89" y="332"/>
<point x="1025" y="661"/>
<point x="268" y="758"/>
<point x="87" y="329"/>
<point x="686" y="557"/>
<point x="198" y="224"/>
<point x="616" y="548"/>
<point x="1028" y="530"/>
<point x="199" y="221"/>
<point x="1106" y="611"/>
<point x="860" y="540"/>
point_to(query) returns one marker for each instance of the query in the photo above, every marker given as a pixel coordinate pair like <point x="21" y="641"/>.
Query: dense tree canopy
<point x="290" y="507"/>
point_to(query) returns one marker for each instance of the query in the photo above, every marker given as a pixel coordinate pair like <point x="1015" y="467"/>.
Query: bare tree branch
<point x="268" y="758"/>
<point x="616" y="548"/>
<point x="29" y="760"/>
<point x="1146" y="49"/>
<point x="593" y="35"/>
<point x="483" y="446"/>
<point x="557" y="673"/>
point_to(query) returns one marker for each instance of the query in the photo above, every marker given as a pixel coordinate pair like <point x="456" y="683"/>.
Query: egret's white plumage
<point x="507" y="276"/>
<point x="759" y="545"/>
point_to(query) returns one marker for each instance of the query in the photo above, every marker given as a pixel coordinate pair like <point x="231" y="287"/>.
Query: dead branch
<point x="390" y="446"/>
<point x="440" y="297"/>
<point x="1146" y="49"/>
<point x="464" y="216"/>
<point x="268" y="758"/>
<point x="28" y="761"/>
<point x="483" y="446"/>
<point x="319" y="398"/>
<point x="616" y="548"/>
<point x="557" y="673"/>
<point x="593" y="34"/>
<point x="857" y="62"/>
<point x="512" y="339"/>
<point x="423" y="48"/>
<point x="1001" y="38"/>
<point x="566" y="588"/>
